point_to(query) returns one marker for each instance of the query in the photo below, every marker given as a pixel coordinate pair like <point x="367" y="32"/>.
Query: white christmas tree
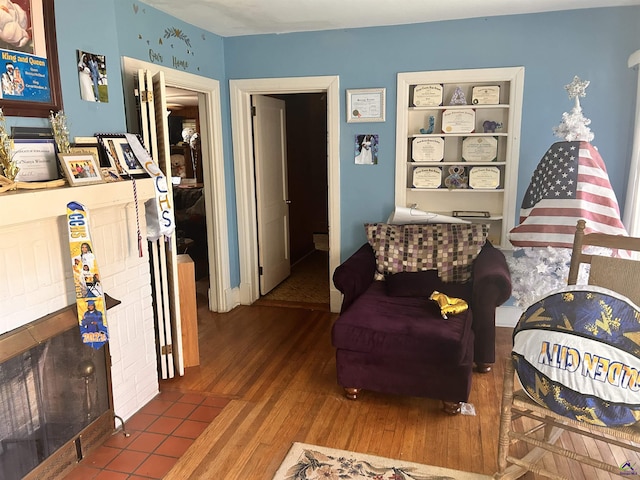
<point x="574" y="125"/>
<point x="536" y="271"/>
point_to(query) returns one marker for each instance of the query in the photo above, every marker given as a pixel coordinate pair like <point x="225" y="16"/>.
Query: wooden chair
<point x="544" y="426"/>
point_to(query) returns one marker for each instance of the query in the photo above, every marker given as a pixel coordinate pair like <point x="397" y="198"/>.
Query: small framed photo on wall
<point x="92" y="77"/>
<point x="366" y="149"/>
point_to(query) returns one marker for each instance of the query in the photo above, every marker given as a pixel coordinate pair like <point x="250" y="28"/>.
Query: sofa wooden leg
<point x="483" y="367"/>
<point x="351" y="393"/>
<point x="452" y="408"/>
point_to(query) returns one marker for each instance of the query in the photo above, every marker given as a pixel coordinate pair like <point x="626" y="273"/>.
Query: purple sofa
<point x="391" y="338"/>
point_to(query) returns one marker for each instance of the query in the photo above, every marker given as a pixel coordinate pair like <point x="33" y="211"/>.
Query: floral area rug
<point x="312" y="462"/>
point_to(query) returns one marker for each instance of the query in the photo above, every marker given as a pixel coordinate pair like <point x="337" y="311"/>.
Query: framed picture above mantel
<point x="30" y="74"/>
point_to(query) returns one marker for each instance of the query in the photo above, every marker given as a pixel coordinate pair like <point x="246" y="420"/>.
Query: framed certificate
<point x="427" y="149"/>
<point x="366" y="105"/>
<point x="427" y="177"/>
<point x="484" y="178"/>
<point x="427" y="95"/>
<point x="485" y="95"/>
<point x="36" y="159"/>
<point x="480" y="149"/>
<point x="459" y="120"/>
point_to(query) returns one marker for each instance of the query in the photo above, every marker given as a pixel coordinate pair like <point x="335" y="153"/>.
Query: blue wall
<point x="117" y="28"/>
<point x="553" y="47"/>
<point x="148" y="34"/>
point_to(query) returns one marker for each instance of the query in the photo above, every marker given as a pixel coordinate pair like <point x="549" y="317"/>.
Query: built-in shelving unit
<point x="460" y="157"/>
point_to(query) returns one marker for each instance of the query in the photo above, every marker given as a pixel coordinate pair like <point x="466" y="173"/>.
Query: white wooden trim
<point x="632" y="202"/>
<point x="240" y="92"/>
<point x="210" y="110"/>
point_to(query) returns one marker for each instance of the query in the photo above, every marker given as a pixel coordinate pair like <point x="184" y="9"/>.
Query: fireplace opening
<point x="52" y="388"/>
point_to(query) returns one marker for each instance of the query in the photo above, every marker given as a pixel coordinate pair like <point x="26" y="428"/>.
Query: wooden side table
<point x="188" y="310"/>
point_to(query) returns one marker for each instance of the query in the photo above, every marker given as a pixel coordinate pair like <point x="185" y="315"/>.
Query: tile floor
<point x="160" y="433"/>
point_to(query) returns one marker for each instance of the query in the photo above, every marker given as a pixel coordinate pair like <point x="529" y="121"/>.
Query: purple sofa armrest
<point x="491" y="288"/>
<point x="355" y="275"/>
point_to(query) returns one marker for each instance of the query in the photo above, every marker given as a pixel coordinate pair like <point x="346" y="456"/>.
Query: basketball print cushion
<point x="577" y="352"/>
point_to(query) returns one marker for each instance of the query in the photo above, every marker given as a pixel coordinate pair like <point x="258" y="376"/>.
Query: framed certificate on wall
<point x="366" y="105"/>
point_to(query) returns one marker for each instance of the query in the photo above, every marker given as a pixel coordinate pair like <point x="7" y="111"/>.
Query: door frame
<point x="210" y="113"/>
<point x="240" y="92"/>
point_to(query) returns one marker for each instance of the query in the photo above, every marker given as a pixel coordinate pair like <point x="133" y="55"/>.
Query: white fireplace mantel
<point x="36" y="278"/>
<point x="23" y="206"/>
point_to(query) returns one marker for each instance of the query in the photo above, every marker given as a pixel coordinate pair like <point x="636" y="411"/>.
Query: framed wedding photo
<point x="80" y="168"/>
<point x="366" y="105"/>
<point x="29" y="62"/>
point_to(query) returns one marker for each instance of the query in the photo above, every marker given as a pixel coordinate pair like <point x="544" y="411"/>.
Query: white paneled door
<point x="164" y="264"/>
<point x="270" y="146"/>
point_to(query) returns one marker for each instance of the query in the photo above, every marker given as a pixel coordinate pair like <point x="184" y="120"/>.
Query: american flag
<point x="569" y="183"/>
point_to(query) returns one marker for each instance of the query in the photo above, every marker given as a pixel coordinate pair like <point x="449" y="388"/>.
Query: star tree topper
<point x="577" y="88"/>
<point x="574" y="125"/>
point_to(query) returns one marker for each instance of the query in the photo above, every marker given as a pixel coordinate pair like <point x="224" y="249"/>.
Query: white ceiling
<point x="229" y="18"/>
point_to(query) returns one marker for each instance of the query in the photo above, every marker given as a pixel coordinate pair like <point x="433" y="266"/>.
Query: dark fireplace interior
<point x="50" y="391"/>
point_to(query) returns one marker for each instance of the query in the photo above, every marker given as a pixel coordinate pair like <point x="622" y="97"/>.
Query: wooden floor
<point x="277" y="366"/>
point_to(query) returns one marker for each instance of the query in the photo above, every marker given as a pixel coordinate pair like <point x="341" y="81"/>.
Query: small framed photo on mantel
<point x="121" y="157"/>
<point x="80" y="168"/>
